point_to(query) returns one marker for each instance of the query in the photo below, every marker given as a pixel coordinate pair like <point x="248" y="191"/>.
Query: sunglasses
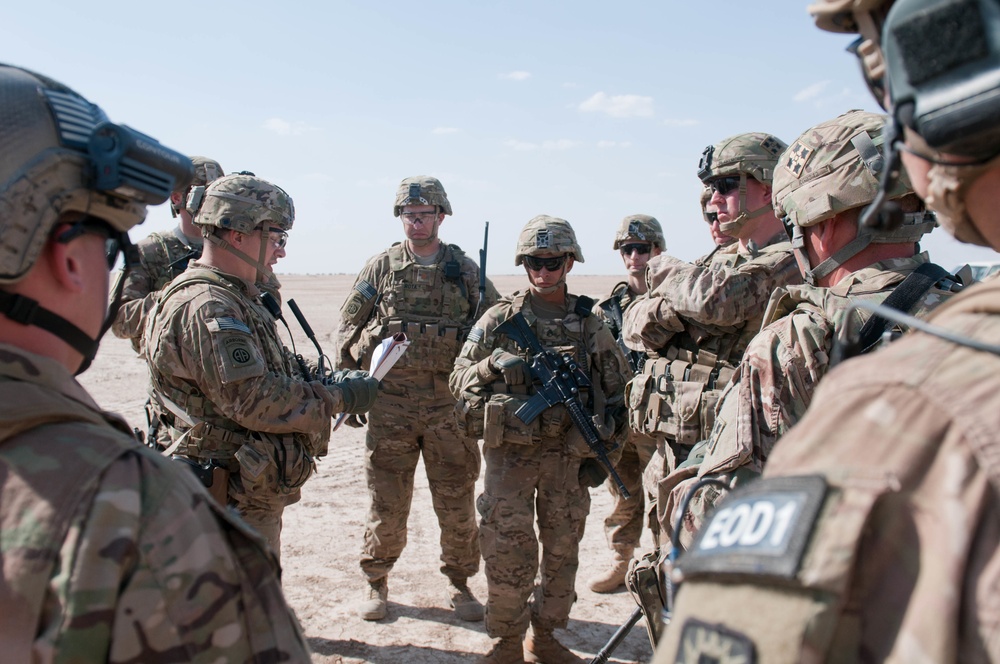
<point x="725" y="185"/>
<point x="551" y="264"/>
<point x="422" y="217"/>
<point x="94" y="226"/>
<point x="278" y="238"/>
<point x="640" y="248"/>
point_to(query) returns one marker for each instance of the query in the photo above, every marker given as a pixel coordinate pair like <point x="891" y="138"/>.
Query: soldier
<point x="243" y="417"/>
<point x="545" y="464"/>
<point x="885" y="546"/>
<point x="430" y="290"/>
<point x="821" y="185"/>
<point x="698" y="318"/>
<point x="162" y="257"/>
<point x="639" y="238"/>
<point x="111" y="553"/>
<point x="711" y="216"/>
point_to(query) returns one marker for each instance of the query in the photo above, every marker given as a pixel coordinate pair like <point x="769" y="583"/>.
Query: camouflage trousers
<point x="522" y="482"/>
<point x="623" y="527"/>
<point x="400" y="432"/>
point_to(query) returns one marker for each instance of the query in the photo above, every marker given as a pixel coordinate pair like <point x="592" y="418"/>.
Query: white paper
<point x="384" y="357"/>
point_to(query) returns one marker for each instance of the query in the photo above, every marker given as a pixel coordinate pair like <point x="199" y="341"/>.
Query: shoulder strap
<point x="584" y="306"/>
<point x="902" y="298"/>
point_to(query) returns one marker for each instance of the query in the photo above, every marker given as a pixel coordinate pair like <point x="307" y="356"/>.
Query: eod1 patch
<point x="762" y="528"/>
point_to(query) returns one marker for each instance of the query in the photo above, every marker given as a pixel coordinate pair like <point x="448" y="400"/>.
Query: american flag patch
<point x="227" y="324"/>
<point x="475" y="335"/>
<point x="365" y="288"/>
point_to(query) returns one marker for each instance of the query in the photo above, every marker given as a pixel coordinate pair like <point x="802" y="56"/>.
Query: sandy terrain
<point x="322" y="534"/>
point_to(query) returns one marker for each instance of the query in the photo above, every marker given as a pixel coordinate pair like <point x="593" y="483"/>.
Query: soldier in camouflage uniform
<point x="820" y="187"/>
<point x="544" y="465"/>
<point x="638" y="239"/>
<point x="429" y="290"/>
<point x="242" y="412"/>
<point x="111" y="553"/>
<point x="697" y="319"/>
<point x="884" y="545"/>
<point x="721" y="241"/>
<point x="162" y="257"/>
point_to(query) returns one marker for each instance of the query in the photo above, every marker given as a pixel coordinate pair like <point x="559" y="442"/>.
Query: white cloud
<point x="614" y="144"/>
<point x="551" y="145"/>
<point x="286" y="128"/>
<point x="619" y="106"/>
<point x="680" y="122"/>
<point x="516" y="76"/>
<point x="445" y="130"/>
<point x="811" y="92"/>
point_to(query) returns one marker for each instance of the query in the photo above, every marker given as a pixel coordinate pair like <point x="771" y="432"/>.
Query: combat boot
<point x="374" y="605"/>
<point x="460" y="598"/>
<point x="612" y="578"/>
<point x="508" y="650"/>
<point x="541" y="647"/>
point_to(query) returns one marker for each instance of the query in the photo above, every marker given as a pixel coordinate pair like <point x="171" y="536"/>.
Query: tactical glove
<point x="514" y="369"/>
<point x="357" y="388"/>
<point x="356" y="421"/>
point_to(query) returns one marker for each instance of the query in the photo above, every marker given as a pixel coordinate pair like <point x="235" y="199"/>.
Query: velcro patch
<point x="475" y="335"/>
<point x="227" y="324"/>
<point x="798" y="157"/>
<point x="702" y="642"/>
<point x="365" y="288"/>
<point x="762" y="529"/>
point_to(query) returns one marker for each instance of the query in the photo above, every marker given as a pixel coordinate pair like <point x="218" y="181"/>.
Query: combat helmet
<point x="753" y="154"/>
<point x="547" y="235"/>
<point x="61" y="154"/>
<point x="421" y="190"/>
<point x="834" y="167"/>
<point x="641" y="227"/>
<point x="243" y="203"/>
<point x="206" y="170"/>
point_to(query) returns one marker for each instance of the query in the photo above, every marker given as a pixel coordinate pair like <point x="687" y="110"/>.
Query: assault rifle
<point x="561" y="378"/>
<point x="482" y="271"/>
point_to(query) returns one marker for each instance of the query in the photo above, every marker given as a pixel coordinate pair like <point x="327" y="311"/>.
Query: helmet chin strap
<point x="264" y="273"/>
<point x="744" y="215"/>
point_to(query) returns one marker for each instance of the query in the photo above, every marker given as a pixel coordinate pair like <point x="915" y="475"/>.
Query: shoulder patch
<point x="701" y="642"/>
<point x="226" y="324"/>
<point x="762" y="529"/>
<point x="475" y="335"/>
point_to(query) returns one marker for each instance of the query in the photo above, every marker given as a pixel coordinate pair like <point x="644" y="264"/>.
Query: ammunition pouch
<point x="643" y="583"/>
<point x="681" y="410"/>
<point x="469" y="419"/>
<point x="432" y="348"/>
<point x="273" y="461"/>
<point x="501" y="425"/>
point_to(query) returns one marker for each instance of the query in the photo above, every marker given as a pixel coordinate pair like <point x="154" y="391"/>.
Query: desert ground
<point x="322" y="534"/>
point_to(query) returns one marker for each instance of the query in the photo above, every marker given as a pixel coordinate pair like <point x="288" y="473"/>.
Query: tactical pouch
<point x="501" y="425"/>
<point x="680" y="411"/>
<point x="637" y="398"/>
<point x="469" y="420"/>
<point x="431" y="352"/>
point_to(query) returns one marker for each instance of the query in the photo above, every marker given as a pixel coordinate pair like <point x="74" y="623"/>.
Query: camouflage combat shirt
<point x="888" y="545"/>
<point x="112" y="552"/>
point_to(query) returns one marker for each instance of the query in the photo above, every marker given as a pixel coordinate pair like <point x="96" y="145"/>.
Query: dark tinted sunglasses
<point x="95" y="226"/>
<point x="725" y="185"/>
<point x="551" y="264"/>
<point x="640" y="248"/>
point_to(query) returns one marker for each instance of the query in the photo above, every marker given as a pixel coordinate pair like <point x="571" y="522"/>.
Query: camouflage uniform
<point x="623" y="527"/>
<point x="697" y="319"/>
<point x="535" y="468"/>
<point x="109" y="552"/>
<point x="694" y="325"/>
<point x="900" y="561"/>
<point x="529" y="466"/>
<point x="127" y="559"/>
<point x="434" y="304"/>
<point x="832" y="169"/>
<point x="217" y="365"/>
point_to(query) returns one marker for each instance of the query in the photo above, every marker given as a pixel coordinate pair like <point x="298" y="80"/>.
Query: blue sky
<point x="587" y="111"/>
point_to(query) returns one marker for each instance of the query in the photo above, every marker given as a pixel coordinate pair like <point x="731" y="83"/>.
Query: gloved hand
<point x="357" y="388"/>
<point x="356" y="421"/>
<point x="514" y="369"/>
